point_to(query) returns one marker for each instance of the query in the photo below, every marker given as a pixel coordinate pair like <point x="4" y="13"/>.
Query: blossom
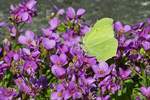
<point x="61" y="12"/>
<point x="145" y="91"/>
<point x="42" y="82"/>
<point x="3" y="67"/>
<point x="23" y="12"/>
<point x="60" y="60"/>
<point x="119" y="27"/>
<point x="13" y="31"/>
<point x="59" y="92"/>
<point x="54" y="23"/>
<point x="146" y="45"/>
<point x="66" y="91"/>
<point x="124" y="73"/>
<point x="30" y="67"/>
<point x="7" y="93"/>
<point x="2" y="24"/>
<point x="47" y="32"/>
<point x="48" y="44"/>
<point x="34" y="53"/>
<point x="27" y="39"/>
<point x="101" y="70"/>
<point x="6" y="45"/>
<point x="58" y="71"/>
<point x="109" y="84"/>
<point x="71" y="12"/>
<point x="20" y="82"/>
<point x="107" y="97"/>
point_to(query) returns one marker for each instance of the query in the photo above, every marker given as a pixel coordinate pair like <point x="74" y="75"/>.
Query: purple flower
<point x="90" y="60"/>
<point x="48" y="43"/>
<point x="54" y="23"/>
<point x="7" y="93"/>
<point x="107" y="97"/>
<point x="60" y="60"/>
<point x="138" y="26"/>
<point x="20" y="82"/>
<point x="34" y="53"/>
<point x="13" y="31"/>
<point x="42" y="82"/>
<point x="66" y="91"/>
<point x="47" y="32"/>
<point x="101" y="70"/>
<point x="84" y="30"/>
<point x="2" y="24"/>
<point x="27" y="39"/>
<point x="26" y="51"/>
<point x="8" y="58"/>
<point x="61" y="12"/>
<point x="6" y="45"/>
<point x="80" y="12"/>
<point x="23" y="12"/>
<point x="56" y="96"/>
<point x="63" y="48"/>
<point x="31" y="4"/>
<point x="146" y="45"/>
<point x="58" y="71"/>
<point x="146" y="92"/>
<point x="71" y="14"/>
<point x="109" y="84"/>
<point x="59" y="92"/>
<point x="30" y="67"/>
<point x="119" y="27"/>
<point x="113" y="87"/>
<point x="3" y="67"/>
<point x="124" y="73"/>
<point x="89" y="81"/>
<point x="16" y="57"/>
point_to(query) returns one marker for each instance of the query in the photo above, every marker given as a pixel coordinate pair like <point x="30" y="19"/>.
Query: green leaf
<point x="61" y="28"/>
<point x="100" y="41"/>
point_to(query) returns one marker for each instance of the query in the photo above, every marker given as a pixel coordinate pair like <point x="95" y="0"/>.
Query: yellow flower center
<point x="59" y="94"/>
<point x="101" y="72"/>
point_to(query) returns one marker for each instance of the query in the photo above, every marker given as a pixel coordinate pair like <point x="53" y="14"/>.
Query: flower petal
<point x="54" y="22"/>
<point x="54" y="59"/>
<point x="63" y="59"/>
<point x="22" y="39"/>
<point x="70" y="12"/>
<point x="58" y="71"/>
<point x="24" y="16"/>
<point x="127" y="28"/>
<point x="48" y="44"/>
<point x="30" y="4"/>
<point x="146" y="45"/>
<point x="80" y="12"/>
<point x="118" y="26"/>
<point x="29" y="34"/>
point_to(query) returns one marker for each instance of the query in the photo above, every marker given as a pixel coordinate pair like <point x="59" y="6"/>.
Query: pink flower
<point x="27" y="39"/>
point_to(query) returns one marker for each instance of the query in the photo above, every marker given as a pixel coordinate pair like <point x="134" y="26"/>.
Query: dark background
<point x="127" y="11"/>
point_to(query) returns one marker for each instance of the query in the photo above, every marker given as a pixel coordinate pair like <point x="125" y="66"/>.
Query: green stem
<point x="137" y="73"/>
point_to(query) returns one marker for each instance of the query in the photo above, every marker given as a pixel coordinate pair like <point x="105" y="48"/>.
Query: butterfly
<point x="100" y="41"/>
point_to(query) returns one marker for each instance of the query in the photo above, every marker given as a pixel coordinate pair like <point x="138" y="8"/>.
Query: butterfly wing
<point x="100" y="41"/>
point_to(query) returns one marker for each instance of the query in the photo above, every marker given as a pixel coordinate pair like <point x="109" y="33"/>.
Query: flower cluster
<point x="133" y="52"/>
<point x="23" y="12"/>
<point x="55" y="66"/>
